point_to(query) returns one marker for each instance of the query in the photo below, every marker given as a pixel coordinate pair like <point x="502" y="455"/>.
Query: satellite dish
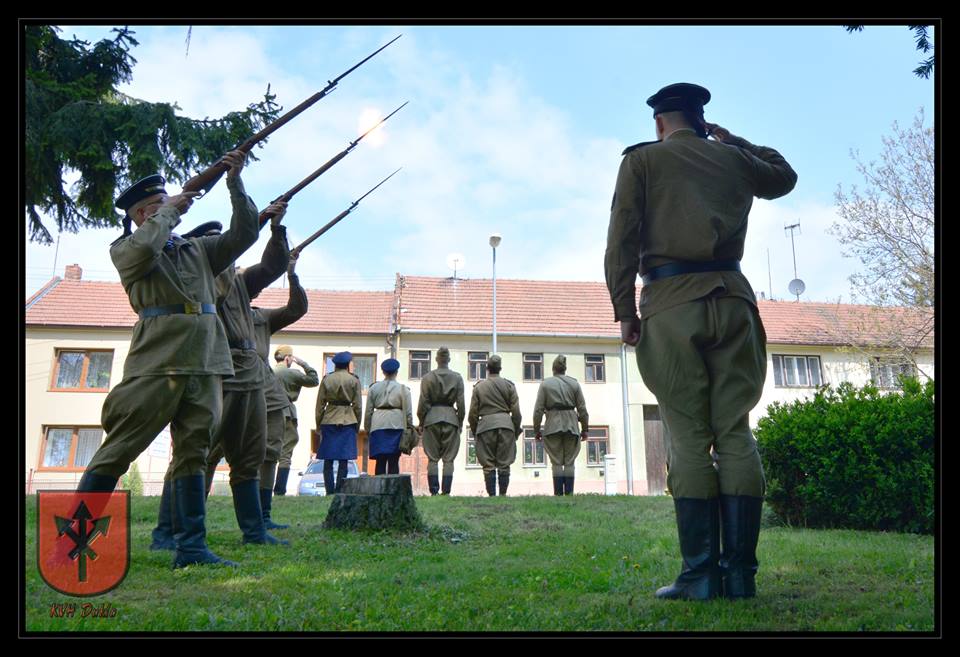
<point x="456" y="261"/>
<point x="796" y="287"/>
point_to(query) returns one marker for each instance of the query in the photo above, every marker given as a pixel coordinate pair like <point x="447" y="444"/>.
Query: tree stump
<point x="380" y="502"/>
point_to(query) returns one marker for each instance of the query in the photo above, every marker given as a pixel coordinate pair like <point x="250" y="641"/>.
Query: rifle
<point x="205" y="180"/>
<point x="296" y="251"/>
<point x="265" y="216"/>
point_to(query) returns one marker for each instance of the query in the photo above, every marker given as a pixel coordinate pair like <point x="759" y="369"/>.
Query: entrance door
<point x="654" y="438"/>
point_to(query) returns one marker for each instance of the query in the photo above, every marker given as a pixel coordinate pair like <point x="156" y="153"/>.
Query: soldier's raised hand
<point x="277" y="210"/>
<point x="181" y="201"/>
<point x="721" y="134"/>
<point x="235" y="160"/>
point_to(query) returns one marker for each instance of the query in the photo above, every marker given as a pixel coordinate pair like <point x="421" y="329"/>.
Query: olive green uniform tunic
<point x="293" y="380"/>
<point x="172" y="373"/>
<point x="339" y="399"/>
<point x="495" y="420"/>
<point x="702" y="348"/>
<point x="242" y="436"/>
<point x="441" y="411"/>
<point x="266" y="322"/>
<point x="561" y="399"/>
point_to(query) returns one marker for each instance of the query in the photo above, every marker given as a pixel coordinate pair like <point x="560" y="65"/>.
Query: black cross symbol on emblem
<point x="81" y="539"/>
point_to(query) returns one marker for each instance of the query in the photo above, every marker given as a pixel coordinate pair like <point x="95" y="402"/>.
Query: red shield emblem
<point x="83" y="540"/>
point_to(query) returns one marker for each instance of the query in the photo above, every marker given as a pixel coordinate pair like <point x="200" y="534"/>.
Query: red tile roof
<point x="523" y="307"/>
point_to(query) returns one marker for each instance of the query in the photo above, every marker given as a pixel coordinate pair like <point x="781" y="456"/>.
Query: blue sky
<point x="518" y="130"/>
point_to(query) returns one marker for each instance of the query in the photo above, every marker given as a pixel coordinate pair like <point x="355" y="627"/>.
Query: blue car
<point x="311" y="479"/>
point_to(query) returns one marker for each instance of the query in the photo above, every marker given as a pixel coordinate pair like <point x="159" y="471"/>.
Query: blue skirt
<point x="385" y="442"/>
<point x="339" y="442"/>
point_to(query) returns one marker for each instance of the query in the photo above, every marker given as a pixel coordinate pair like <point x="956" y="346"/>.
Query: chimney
<point x="73" y="273"/>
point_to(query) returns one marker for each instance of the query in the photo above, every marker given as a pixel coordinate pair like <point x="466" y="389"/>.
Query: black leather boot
<point x="558" y="486"/>
<point x="740" y="519"/>
<point x="189" y="530"/>
<point x="698" y="525"/>
<point x="328" y="482"/>
<point x="266" y="504"/>
<point x="163" y="532"/>
<point x="447" y="484"/>
<point x="94" y="483"/>
<point x="433" y="482"/>
<point x="246" y="504"/>
<point x="490" y="479"/>
<point x="280" y="487"/>
<point x="568" y="485"/>
<point x="504" y="479"/>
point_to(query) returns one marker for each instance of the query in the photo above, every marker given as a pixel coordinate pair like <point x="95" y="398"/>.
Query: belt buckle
<point x="192" y="308"/>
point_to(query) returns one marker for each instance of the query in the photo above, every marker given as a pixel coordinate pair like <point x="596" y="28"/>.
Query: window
<point x="472" y="461"/>
<point x="597" y="445"/>
<point x="82" y="370"/>
<point x="796" y="371"/>
<point x="533" y="367"/>
<point x="477" y="363"/>
<point x="69" y="448"/>
<point x="419" y="364"/>
<point x="365" y="367"/>
<point x="885" y="372"/>
<point x="532" y="448"/>
<point x="595" y="368"/>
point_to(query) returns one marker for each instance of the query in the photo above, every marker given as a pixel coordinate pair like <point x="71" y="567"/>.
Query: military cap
<point x="443" y="352"/>
<point x="494" y="361"/>
<point x="560" y="362"/>
<point x="283" y="351"/>
<point x="390" y="365"/>
<point x="681" y="96"/>
<point x="143" y="188"/>
<point x="209" y="228"/>
<point x="342" y="358"/>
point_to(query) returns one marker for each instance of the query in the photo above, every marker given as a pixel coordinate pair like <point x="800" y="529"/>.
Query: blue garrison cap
<point x="143" y="188"/>
<point x="342" y="358"/>
<point x="390" y="365"/>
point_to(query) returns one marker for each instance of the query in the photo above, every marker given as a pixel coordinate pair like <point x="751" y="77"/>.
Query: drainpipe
<point x="627" y="434"/>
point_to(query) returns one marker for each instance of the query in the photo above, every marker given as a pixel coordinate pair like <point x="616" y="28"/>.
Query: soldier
<point x="267" y="322"/>
<point x="339" y="409"/>
<point x="561" y="398"/>
<point x="178" y="352"/>
<point x="389" y="412"/>
<point x="242" y="436"/>
<point x="495" y="421"/>
<point x="292" y="381"/>
<point x="679" y="217"/>
<point x="441" y="411"/>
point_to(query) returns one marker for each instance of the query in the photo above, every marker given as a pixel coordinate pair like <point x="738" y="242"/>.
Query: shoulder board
<point x="636" y="146"/>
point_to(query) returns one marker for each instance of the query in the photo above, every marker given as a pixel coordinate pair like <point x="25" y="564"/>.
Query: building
<point x="78" y="333"/>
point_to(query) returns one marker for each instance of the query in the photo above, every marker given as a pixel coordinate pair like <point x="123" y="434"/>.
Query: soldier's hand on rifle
<point x="630" y="331"/>
<point x="235" y="160"/>
<point x="277" y="210"/>
<point x="181" y="201"/>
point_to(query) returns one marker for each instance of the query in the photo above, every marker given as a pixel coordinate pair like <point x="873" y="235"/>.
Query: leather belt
<point x="340" y="403"/>
<point x="179" y="309"/>
<point x="677" y="268"/>
<point x="245" y="345"/>
<point x="563" y="408"/>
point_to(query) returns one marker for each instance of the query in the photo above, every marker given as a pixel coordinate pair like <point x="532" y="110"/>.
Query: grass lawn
<point x="582" y="563"/>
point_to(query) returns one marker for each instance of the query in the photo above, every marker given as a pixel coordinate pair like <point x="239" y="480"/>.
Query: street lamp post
<point x="495" y="242"/>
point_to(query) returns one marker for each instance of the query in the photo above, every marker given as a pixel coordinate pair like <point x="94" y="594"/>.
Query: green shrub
<point x="132" y="480"/>
<point x="852" y="458"/>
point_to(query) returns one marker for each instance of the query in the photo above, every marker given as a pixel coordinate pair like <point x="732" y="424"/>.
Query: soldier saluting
<point x="679" y="217"/>
<point x="495" y="421"/>
<point x="561" y="398"/>
<point x="178" y="352"/>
